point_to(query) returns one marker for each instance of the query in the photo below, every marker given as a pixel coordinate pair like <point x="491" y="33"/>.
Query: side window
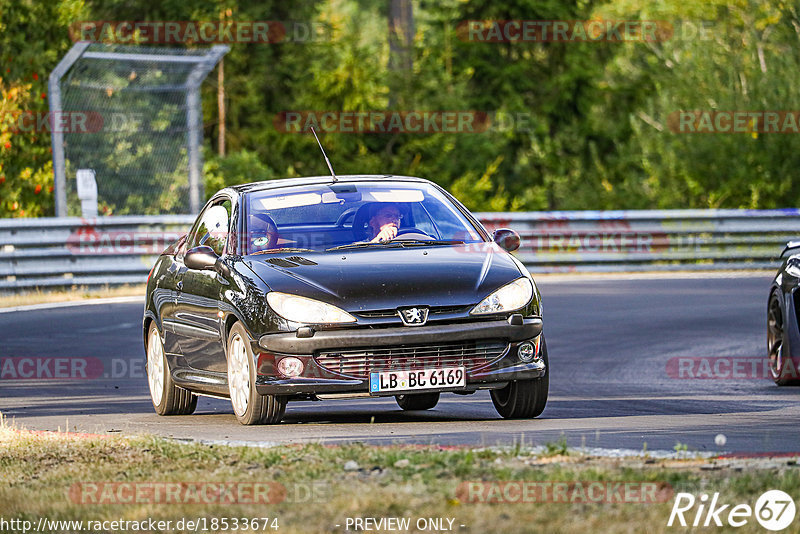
<point x="212" y="228"/>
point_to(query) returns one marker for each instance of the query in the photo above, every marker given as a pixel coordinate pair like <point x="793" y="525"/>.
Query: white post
<point x="87" y="193"/>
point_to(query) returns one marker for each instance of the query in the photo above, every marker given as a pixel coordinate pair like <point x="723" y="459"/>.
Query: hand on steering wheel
<point x="387" y="233"/>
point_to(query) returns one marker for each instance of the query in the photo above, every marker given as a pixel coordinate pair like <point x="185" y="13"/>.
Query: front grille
<point x="433" y="311"/>
<point x="360" y="362"/>
<point x="378" y="314"/>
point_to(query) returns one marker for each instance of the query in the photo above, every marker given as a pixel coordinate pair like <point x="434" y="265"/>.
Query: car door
<point x="197" y="324"/>
<point x="165" y="296"/>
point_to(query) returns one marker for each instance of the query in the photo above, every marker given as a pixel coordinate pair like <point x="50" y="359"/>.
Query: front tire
<point x="781" y="369"/>
<point x="168" y="399"/>
<point x="250" y="407"/>
<point x="524" y="399"/>
<point x="417" y="401"/>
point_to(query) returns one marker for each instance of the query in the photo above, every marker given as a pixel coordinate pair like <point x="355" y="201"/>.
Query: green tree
<point x="33" y="38"/>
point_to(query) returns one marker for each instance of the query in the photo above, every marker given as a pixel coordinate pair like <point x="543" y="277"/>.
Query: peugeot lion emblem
<point x="413" y="316"/>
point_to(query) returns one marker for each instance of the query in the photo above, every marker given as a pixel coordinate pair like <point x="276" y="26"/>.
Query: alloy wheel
<point x="155" y="366"/>
<point x="775" y="337"/>
<point x="238" y="375"/>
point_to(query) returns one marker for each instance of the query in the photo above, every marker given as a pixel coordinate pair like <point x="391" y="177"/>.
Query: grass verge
<point x="317" y="487"/>
<point x="12" y="300"/>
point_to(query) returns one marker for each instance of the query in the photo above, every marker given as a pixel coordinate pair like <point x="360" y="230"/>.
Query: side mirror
<point x="507" y="238"/>
<point x="203" y="258"/>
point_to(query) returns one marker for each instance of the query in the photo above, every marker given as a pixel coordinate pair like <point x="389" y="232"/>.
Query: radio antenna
<point x="335" y="179"/>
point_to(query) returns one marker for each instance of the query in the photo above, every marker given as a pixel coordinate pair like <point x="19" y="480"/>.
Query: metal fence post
<point x="57" y="136"/>
<point x="194" y="125"/>
<point x="196" y="189"/>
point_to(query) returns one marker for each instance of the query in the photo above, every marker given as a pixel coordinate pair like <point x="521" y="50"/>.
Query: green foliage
<point x="744" y="60"/>
<point x="239" y="168"/>
<point x="33" y="37"/>
<point x="558" y="448"/>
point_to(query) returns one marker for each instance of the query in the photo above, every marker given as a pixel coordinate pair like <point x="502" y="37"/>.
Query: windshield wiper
<point x="397" y="243"/>
<point x="429" y="242"/>
<point x="364" y="244"/>
<point x="279" y="250"/>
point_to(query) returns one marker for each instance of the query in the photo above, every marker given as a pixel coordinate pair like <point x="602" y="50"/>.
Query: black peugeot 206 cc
<point x="315" y="288"/>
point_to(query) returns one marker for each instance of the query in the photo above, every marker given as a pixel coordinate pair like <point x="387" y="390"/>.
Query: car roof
<point x="312" y="180"/>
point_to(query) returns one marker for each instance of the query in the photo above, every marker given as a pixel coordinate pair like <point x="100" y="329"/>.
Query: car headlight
<point x="305" y="310"/>
<point x="510" y="297"/>
<point x="793" y="266"/>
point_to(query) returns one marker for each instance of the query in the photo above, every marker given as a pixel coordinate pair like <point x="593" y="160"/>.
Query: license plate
<point x="447" y="377"/>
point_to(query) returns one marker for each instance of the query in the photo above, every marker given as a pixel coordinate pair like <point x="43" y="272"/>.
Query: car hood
<point x="387" y="278"/>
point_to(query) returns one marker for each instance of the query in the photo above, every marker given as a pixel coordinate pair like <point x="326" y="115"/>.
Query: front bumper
<point x="318" y="379"/>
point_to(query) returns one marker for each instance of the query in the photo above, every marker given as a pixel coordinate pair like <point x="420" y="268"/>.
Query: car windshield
<point x="327" y="216"/>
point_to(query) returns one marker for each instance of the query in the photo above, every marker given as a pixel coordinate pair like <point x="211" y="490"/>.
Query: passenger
<point x="263" y="232"/>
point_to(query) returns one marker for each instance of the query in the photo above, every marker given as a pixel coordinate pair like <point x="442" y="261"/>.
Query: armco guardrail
<point x="650" y="240"/>
<point x="72" y="251"/>
<point x="56" y="252"/>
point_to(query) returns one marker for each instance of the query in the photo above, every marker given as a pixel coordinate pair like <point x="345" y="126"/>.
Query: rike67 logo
<point x="774" y="510"/>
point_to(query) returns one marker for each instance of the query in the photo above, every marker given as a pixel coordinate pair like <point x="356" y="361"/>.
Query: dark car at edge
<point x="783" y="319"/>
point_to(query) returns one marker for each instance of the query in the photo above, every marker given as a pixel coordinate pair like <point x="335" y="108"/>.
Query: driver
<point x="383" y="222"/>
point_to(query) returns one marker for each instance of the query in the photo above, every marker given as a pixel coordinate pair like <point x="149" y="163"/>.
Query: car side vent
<point x="301" y="260"/>
<point x="280" y="262"/>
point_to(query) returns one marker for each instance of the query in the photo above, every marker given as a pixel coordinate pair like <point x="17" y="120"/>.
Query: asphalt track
<point x="615" y="377"/>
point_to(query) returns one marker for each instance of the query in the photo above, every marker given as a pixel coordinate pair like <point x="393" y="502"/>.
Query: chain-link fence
<point x="132" y="115"/>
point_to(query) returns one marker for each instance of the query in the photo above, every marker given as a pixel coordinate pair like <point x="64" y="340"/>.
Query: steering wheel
<point x="344" y="216"/>
<point x="405" y="231"/>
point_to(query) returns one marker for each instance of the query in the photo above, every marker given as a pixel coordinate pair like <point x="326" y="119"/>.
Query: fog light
<point x="526" y="351"/>
<point x="529" y="351"/>
<point x="290" y="367"/>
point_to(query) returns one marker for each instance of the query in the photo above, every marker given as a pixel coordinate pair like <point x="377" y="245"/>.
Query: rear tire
<point x="781" y="369"/>
<point x="417" y="401"/>
<point x="250" y="407"/>
<point x="524" y="399"/>
<point x="168" y="399"/>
